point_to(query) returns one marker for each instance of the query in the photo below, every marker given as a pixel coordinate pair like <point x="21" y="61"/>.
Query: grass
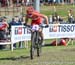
<point x="51" y="55"/>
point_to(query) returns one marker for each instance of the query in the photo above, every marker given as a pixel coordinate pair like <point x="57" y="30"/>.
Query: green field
<point x="62" y="10"/>
<point x="59" y="55"/>
<point x="52" y="55"/>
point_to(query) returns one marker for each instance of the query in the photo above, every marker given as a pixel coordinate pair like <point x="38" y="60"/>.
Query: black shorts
<point x="2" y="35"/>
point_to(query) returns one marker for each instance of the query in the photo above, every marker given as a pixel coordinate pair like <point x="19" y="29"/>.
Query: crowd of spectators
<point x="15" y="2"/>
<point x="26" y="2"/>
<point x="5" y="29"/>
<point x="55" y="18"/>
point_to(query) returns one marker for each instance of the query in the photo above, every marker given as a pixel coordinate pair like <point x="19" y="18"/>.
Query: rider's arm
<point x="46" y="18"/>
<point x="43" y="16"/>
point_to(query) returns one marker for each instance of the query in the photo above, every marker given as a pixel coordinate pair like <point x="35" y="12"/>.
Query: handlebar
<point x="36" y="27"/>
<point x="42" y="26"/>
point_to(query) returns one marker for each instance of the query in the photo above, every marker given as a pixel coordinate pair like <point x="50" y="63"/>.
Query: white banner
<point x="59" y="31"/>
<point x="21" y="33"/>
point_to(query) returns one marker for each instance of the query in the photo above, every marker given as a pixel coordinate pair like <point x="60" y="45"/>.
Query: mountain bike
<point x="36" y="40"/>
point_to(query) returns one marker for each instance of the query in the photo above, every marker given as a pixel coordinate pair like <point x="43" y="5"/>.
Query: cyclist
<point x="70" y="16"/>
<point x="37" y="19"/>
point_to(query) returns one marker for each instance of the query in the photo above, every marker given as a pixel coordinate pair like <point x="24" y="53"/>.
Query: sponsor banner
<point x="21" y="33"/>
<point x="59" y="31"/>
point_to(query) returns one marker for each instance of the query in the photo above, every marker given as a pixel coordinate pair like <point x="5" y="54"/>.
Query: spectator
<point x="25" y="42"/>
<point x="56" y="18"/>
<point x="70" y="16"/>
<point x="3" y="28"/>
<point x="54" y="2"/>
<point x="41" y="2"/>
<point x="50" y="2"/>
<point x="27" y="2"/>
<point x="3" y="3"/>
<point x="22" y="19"/>
<point x="23" y="2"/>
<point x="50" y="19"/>
<point x="15" y="21"/>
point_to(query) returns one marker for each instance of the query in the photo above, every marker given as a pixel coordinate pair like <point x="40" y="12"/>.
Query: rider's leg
<point x="41" y="35"/>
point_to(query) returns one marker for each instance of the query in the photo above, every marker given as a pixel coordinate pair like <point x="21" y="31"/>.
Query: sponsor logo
<point x="21" y="30"/>
<point x="62" y="28"/>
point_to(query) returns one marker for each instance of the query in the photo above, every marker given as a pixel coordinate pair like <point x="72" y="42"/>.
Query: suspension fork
<point x="37" y="36"/>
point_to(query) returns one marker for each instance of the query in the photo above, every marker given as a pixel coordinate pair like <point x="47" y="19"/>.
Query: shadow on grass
<point x="15" y="58"/>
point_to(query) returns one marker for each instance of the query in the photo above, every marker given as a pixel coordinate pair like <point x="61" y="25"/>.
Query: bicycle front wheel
<point x="32" y="50"/>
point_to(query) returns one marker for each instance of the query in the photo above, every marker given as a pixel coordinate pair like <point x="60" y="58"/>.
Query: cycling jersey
<point x="35" y="17"/>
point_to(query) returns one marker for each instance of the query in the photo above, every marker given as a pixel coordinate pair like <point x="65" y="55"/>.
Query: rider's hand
<point x="46" y="26"/>
<point x="25" y="24"/>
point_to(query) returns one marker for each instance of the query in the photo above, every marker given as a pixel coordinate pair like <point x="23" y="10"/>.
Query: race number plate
<point x="35" y="27"/>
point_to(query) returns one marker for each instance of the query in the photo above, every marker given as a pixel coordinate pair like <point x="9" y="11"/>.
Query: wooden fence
<point x="12" y="11"/>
